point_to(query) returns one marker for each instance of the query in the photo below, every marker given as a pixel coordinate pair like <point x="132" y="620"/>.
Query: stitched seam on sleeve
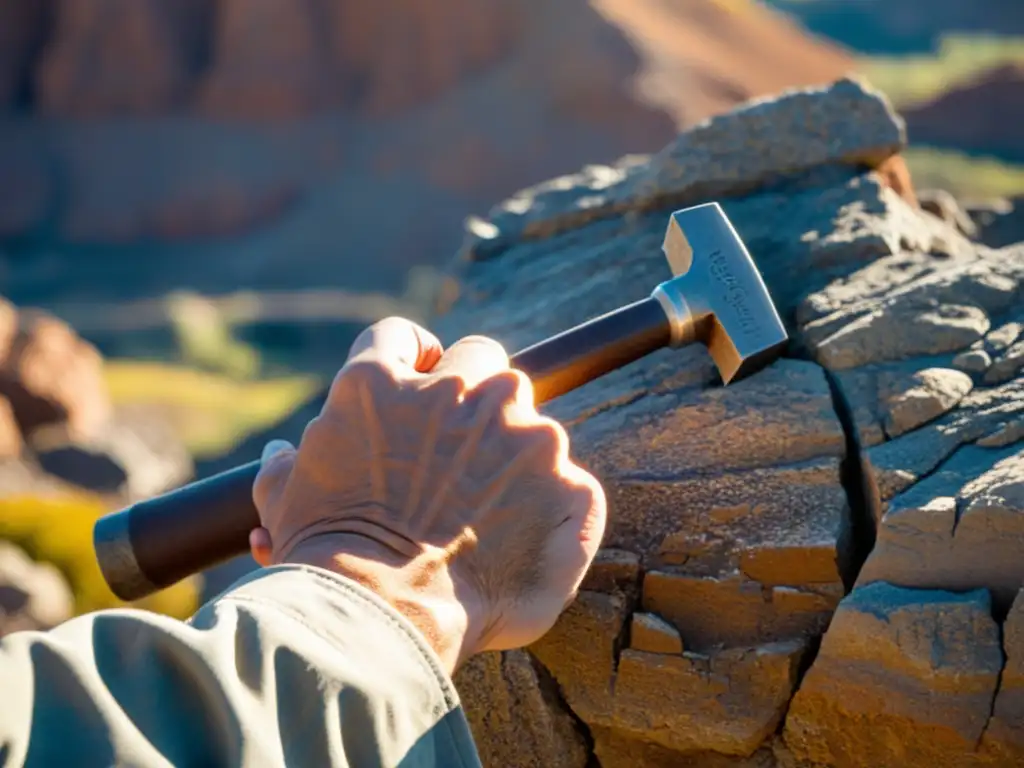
<point x="440" y="676"/>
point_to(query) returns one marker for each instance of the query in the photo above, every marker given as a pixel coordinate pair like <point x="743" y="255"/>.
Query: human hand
<point x="430" y="477"/>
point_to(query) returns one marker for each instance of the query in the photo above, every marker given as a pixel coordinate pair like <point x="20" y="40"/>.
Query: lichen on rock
<point x="741" y="517"/>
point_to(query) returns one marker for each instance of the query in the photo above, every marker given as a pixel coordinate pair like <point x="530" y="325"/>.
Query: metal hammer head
<point x="717" y="296"/>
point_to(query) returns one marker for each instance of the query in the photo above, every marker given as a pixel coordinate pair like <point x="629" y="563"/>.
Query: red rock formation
<point x="983" y="115"/>
<point x="118" y="56"/>
<point x="436" y="109"/>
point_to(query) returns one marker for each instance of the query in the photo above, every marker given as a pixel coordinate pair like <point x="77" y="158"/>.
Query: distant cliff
<point x="284" y="143"/>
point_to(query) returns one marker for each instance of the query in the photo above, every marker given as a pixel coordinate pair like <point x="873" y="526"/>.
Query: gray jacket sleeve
<point x="292" y="666"/>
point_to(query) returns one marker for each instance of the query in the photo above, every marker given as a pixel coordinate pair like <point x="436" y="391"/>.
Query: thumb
<point x="275" y="468"/>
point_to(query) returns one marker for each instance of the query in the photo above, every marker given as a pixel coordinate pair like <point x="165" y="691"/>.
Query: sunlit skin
<point x="430" y="477"/>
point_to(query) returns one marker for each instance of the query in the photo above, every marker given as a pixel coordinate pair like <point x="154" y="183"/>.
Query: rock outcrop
<point x="58" y="426"/>
<point x="814" y="566"/>
<point x="286" y="141"/>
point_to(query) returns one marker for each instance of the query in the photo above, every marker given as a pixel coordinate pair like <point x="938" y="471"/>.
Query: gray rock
<point x="730" y="155"/>
<point x="961" y="528"/>
<point x="33" y="596"/>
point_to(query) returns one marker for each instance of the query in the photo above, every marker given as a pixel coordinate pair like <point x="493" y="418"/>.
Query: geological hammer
<point x="716" y="297"/>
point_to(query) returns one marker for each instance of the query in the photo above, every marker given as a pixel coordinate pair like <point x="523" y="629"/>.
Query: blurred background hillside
<point x="216" y="195"/>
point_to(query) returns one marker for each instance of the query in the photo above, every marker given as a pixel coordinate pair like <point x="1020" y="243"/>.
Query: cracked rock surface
<point x="818" y="565"/>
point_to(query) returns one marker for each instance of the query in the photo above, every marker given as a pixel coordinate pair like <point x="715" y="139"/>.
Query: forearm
<point x="294" y="665"/>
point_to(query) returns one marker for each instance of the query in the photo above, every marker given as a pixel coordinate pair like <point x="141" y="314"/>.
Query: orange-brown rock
<point x="110" y="57"/>
<point x="50" y="375"/>
<point x="503" y="691"/>
<point x="918" y="671"/>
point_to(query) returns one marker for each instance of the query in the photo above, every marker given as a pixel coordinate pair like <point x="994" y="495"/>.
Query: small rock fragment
<point x="732" y="611"/>
<point x="612" y="570"/>
<point x="1006" y="366"/>
<point x="729" y="702"/>
<point x="649" y="633"/>
<point x="972" y="361"/>
<point x="935" y="391"/>
<point x="1007" y="434"/>
<point x="904" y="677"/>
<point x="943" y="205"/>
<point x="961" y="528"/>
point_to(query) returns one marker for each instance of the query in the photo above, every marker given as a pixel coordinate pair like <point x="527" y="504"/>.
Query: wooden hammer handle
<point x="158" y="542"/>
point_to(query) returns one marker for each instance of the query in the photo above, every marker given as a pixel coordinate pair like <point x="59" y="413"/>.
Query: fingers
<point x="261" y="547"/>
<point x="275" y="467"/>
<point x="473" y="359"/>
<point x="400" y="344"/>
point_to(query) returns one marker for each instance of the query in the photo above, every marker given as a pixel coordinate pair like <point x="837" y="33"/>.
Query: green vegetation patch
<point x="909" y="80"/>
<point x="211" y="411"/>
<point x="963" y="175"/>
<point x="58" y="530"/>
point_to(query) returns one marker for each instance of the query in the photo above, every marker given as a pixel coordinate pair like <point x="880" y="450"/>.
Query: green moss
<point x="963" y="175"/>
<point x="58" y="530"/>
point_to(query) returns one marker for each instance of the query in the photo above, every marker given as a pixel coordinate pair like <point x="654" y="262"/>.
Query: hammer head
<point x="718" y="294"/>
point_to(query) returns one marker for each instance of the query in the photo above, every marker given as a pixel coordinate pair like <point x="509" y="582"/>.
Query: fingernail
<point x="274" y="447"/>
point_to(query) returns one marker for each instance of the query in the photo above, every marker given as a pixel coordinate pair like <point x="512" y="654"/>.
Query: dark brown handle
<point x="155" y="543"/>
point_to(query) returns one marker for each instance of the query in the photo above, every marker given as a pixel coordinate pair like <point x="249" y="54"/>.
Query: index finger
<point x="399" y="344"/>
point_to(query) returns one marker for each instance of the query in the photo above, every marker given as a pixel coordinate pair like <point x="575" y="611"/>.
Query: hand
<point x="430" y="477"/>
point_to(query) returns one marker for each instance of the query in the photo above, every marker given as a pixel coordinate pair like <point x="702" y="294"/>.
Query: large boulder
<point x="741" y="517"/>
<point x="59" y="428"/>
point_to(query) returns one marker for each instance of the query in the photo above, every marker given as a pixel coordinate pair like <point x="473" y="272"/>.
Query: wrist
<point x="423" y="594"/>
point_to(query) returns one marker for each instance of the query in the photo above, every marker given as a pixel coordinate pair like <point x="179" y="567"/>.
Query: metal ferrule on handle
<point x="156" y="543"/>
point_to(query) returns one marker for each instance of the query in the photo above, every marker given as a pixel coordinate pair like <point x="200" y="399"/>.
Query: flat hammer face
<point x="717" y="296"/>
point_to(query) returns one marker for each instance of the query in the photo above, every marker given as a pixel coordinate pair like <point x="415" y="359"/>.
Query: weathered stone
<point x="613" y="570"/>
<point x="49" y="374"/>
<point x="961" y="528"/>
<point x="935" y="391"/>
<point x="903" y="677"/>
<point x="800" y="130"/>
<point x="581" y="651"/>
<point x="1004" y="736"/>
<point x="85" y="70"/>
<point x="900" y="463"/>
<point x="729" y="702"/>
<point x="33" y="595"/>
<point x="747" y="508"/>
<point x="649" y="633"/>
<point x="715" y="612"/>
<point x="942" y="204"/>
<point x="515" y="715"/>
<point x="615" y="750"/>
<point x="973" y="361"/>
<point x="1005" y="434"/>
